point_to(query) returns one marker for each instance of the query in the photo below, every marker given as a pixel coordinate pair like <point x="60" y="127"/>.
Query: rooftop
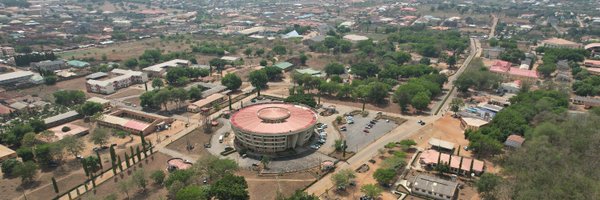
<point x="59" y="117"/>
<point x="98" y="100"/>
<point x="161" y="66"/>
<point x="431" y="157"/>
<point x="15" y="75"/>
<point x="353" y="37"/>
<point x="274" y="118"/>
<point x="283" y="65"/>
<point x="5" y="151"/>
<point x="474" y="121"/>
<point x="441" y="143"/>
<point x="434" y="184"/>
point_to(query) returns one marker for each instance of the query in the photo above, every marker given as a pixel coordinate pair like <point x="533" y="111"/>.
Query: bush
<point x="8" y="166"/>
<point x="158" y="177"/>
<point x="390" y="145"/>
<point x="65" y="129"/>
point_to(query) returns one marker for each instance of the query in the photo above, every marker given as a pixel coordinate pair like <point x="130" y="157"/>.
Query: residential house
<point x="586" y="101"/>
<point x="124" y="78"/>
<point x="159" y="70"/>
<point x="458" y="164"/>
<point x="49" y="65"/>
<point x="15" y="77"/>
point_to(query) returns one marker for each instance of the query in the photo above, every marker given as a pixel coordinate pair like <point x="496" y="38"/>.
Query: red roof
<point x="136" y="125"/>
<point x="523" y="72"/>
<point x="274" y="118"/>
<point x="500" y="66"/>
<point x="431" y="157"/>
<point x="5" y="110"/>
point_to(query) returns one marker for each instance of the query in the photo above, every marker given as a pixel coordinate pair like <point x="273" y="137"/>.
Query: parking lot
<point x="355" y="136"/>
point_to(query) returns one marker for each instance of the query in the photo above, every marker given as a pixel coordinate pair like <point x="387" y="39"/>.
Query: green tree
<point x="420" y="101"/>
<point x="194" y="93"/>
<point x="193" y="192"/>
<point x="182" y="176"/>
<point x="157" y="83"/>
<point x="456" y="104"/>
<point x="343" y="178"/>
<point x="8" y="166"/>
<point x="230" y="187"/>
<point x="90" y="108"/>
<point x="306" y="99"/>
<point x="29" y="140"/>
<point x="231" y="81"/>
<point x="263" y="63"/>
<point x="124" y="186"/>
<point x="372" y="191"/>
<point x="487" y="183"/>
<point x="248" y="52"/>
<point x="299" y="195"/>
<point x="265" y="160"/>
<point x="27" y="171"/>
<point x="73" y="145"/>
<point x="158" y="176"/>
<point x="365" y="69"/>
<point x="303" y="58"/>
<point x="259" y="52"/>
<point x="139" y="179"/>
<point x="334" y="68"/>
<point x="279" y="50"/>
<point x="69" y="97"/>
<point x="273" y="73"/>
<point x="131" y="63"/>
<point x="384" y="176"/>
<point x="258" y="79"/>
<point x="100" y="137"/>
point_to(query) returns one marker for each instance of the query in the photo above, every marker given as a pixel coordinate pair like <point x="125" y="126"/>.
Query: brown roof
<point x="516" y="138"/>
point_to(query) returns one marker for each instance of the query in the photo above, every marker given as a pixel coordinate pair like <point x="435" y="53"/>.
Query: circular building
<point x="273" y="127"/>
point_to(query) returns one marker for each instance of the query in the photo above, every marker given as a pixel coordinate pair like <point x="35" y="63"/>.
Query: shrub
<point x="8" y="166"/>
<point x="65" y="129"/>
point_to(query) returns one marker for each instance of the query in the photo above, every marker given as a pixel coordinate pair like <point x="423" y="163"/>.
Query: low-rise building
<point x="285" y="66"/>
<point x="206" y="102"/>
<point x="49" y="65"/>
<point x="514" y="141"/>
<point x="586" y="101"/>
<point x="159" y="70"/>
<point x="433" y="187"/>
<point x="441" y="145"/>
<point x="104" y="102"/>
<point x="78" y="64"/>
<point x="493" y="53"/>
<point x="504" y="68"/>
<point x="355" y="38"/>
<point x="472" y="123"/>
<point x="592" y="63"/>
<point x="61" y="118"/>
<point x="124" y="78"/>
<point x="15" y="77"/>
<point x="61" y="132"/>
<point x="6" y="153"/>
<point x="560" y="43"/>
<point x="458" y="164"/>
<point x="134" y="121"/>
<point x="511" y="87"/>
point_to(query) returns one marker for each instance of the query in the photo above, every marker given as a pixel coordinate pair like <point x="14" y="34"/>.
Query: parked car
<point x="366" y="131"/>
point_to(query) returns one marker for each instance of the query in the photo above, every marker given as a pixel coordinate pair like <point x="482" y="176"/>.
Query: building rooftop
<point x="560" y="41"/>
<point x="59" y="134"/>
<point x="431" y="157"/>
<point x="161" y="66"/>
<point x="474" y="121"/>
<point x="441" y="143"/>
<point x="209" y="99"/>
<point x="353" y="37"/>
<point x="274" y="118"/>
<point x="98" y="100"/>
<point x="435" y="185"/>
<point x="60" y="117"/>
<point x="15" y="75"/>
<point x="6" y="152"/>
<point x="283" y="65"/>
<point x="96" y="75"/>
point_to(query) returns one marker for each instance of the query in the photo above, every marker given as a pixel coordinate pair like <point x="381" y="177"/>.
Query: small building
<point x="441" y="145"/>
<point x="511" y="87"/>
<point x="134" y="121"/>
<point x="355" y="38"/>
<point x="433" y="187"/>
<point x="6" y="153"/>
<point x="5" y="110"/>
<point x="124" y="78"/>
<point x="104" y="102"/>
<point x="586" y="101"/>
<point x="472" y="123"/>
<point x="592" y="63"/>
<point x="514" y="141"/>
<point x="78" y="64"/>
<point x="560" y="43"/>
<point x="15" y="77"/>
<point x="61" y="118"/>
<point x="285" y="66"/>
<point x="493" y="53"/>
<point x="206" y="102"/>
<point x="49" y="65"/>
<point x="230" y="58"/>
<point x="458" y="164"/>
<point x="159" y="70"/>
<point x="310" y="71"/>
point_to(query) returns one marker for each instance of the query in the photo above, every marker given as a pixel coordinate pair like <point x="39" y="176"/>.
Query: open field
<point x="268" y="186"/>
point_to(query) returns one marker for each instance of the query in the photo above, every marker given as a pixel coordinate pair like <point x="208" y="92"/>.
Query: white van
<point x="221" y="139"/>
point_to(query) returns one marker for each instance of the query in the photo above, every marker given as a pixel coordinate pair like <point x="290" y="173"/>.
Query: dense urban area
<point x="300" y="100"/>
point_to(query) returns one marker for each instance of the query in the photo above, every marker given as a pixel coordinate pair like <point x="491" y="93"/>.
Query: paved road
<point x="476" y="51"/>
<point x="404" y="131"/>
